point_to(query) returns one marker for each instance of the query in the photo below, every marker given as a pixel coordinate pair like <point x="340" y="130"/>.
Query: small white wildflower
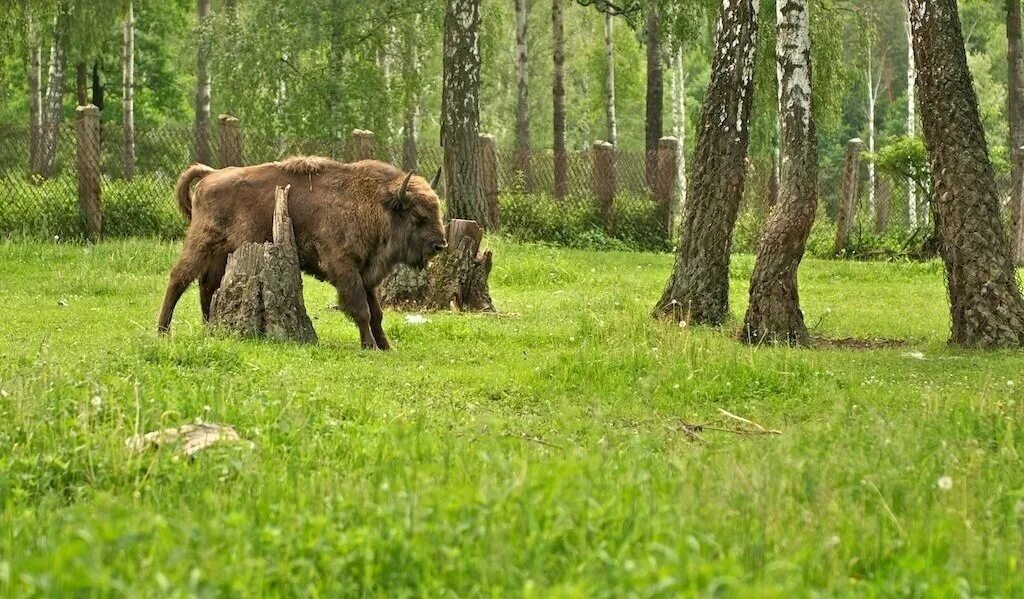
<point x="831" y="542"/>
<point x="97" y="402"/>
<point x="56" y="238"/>
<point x="1010" y="383"/>
<point x="915" y="355"/>
<point x="945" y="483"/>
<point x="415" y="319"/>
<point x="682" y="324"/>
<point x="676" y="386"/>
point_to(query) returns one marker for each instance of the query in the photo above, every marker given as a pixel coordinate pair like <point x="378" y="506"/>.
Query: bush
<point x="576" y="222"/>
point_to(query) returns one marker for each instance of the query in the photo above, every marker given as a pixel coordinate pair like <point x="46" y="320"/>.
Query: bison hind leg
<point x="209" y="283"/>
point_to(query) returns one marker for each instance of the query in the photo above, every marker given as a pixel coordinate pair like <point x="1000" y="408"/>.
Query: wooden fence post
<point x="488" y="157"/>
<point x="665" y="179"/>
<point x="605" y="183"/>
<point x="229" y="141"/>
<point x="87" y="154"/>
<point x="848" y="203"/>
<point x="362" y="145"/>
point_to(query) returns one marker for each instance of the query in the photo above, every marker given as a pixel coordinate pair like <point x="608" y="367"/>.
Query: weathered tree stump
<point x="455" y="280"/>
<point x="261" y="292"/>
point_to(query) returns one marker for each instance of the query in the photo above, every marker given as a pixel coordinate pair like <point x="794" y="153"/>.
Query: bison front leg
<point x="353" y="301"/>
<point x="377" y="320"/>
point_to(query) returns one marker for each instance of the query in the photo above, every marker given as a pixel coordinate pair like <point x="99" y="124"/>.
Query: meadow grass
<point x="537" y="453"/>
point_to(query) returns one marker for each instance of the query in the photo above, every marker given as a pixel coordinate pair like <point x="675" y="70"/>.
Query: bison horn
<point x="401" y="192"/>
<point x="436" y="179"/>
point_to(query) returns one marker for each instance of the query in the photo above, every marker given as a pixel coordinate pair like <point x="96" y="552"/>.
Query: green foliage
<point x="576" y="222"/>
<point x="902" y="158"/>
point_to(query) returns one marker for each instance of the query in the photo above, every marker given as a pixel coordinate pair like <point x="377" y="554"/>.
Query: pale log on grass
<point x="261" y="293"/>
<point x="455" y="280"/>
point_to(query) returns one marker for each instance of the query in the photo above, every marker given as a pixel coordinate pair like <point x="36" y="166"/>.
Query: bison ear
<point x="400" y="201"/>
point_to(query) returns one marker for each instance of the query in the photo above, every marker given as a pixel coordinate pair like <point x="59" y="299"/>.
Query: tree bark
<point x="97" y="87"/>
<point x="874" y="85"/>
<point x="411" y="126"/>
<point x="35" y="98"/>
<point x="698" y="289"/>
<point x="457" y="279"/>
<point x="81" y="83"/>
<point x="1015" y="96"/>
<point x="558" y="99"/>
<point x="523" y="144"/>
<point x="128" y="94"/>
<point x="985" y="301"/>
<point x="655" y="90"/>
<point x="460" y="113"/>
<point x="679" y="120"/>
<point x="54" y="109"/>
<point x="261" y="292"/>
<point x="202" y="120"/>
<point x="847" y="211"/>
<point x="609" y="80"/>
<point x="911" y="118"/>
<point x="773" y="314"/>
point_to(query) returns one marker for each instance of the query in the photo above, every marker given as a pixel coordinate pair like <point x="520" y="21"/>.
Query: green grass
<point x="419" y="472"/>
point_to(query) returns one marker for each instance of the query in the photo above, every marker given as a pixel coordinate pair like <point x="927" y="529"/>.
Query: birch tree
<point x="202" y="120"/>
<point x="34" y="76"/>
<point x="911" y="117"/>
<point x="52" y="113"/>
<point x="128" y="93"/>
<point x="773" y="313"/>
<point x="698" y="290"/>
<point x="460" y="112"/>
<point x="653" y="128"/>
<point x="558" y="99"/>
<point x="609" y="79"/>
<point x="985" y="302"/>
<point x="679" y="117"/>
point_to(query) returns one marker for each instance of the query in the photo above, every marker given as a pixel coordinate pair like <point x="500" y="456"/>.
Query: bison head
<point x="416" y="228"/>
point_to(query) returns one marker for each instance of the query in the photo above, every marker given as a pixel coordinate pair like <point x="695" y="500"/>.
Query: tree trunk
<point x="411" y="126"/>
<point x="985" y="301"/>
<point x="847" y="210"/>
<point x="35" y="99"/>
<point x="773" y="314"/>
<point x="698" y="290"/>
<point x="679" y="120"/>
<point x="523" y="145"/>
<point x="128" y="94"/>
<point x="81" y="83"/>
<point x="1015" y="95"/>
<point x="460" y="112"/>
<point x="911" y="119"/>
<point x="202" y="121"/>
<point x="97" y="86"/>
<point x="873" y="88"/>
<point x="261" y="292"/>
<point x="457" y="279"/>
<point x="655" y="90"/>
<point x="609" y="80"/>
<point x="558" y="99"/>
<point x="53" y="111"/>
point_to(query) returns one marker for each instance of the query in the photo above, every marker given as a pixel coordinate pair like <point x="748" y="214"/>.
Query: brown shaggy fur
<point x="351" y="228"/>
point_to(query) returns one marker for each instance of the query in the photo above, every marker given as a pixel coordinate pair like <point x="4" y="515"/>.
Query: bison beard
<point x="353" y="224"/>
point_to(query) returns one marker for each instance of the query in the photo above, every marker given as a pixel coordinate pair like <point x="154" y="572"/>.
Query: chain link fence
<point x="626" y="197"/>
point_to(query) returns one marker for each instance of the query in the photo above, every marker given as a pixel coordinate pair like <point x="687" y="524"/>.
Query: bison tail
<point x="182" y="190"/>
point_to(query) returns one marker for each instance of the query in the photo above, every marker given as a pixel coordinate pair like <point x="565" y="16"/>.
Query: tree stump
<point x="455" y="280"/>
<point x="261" y="292"/>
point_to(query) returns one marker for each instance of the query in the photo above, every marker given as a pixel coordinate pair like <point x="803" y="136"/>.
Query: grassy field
<point x="540" y="453"/>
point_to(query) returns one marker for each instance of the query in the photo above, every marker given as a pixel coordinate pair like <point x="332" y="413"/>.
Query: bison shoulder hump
<point x="306" y="165"/>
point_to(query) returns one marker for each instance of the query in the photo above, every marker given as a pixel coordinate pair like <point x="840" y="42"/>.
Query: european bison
<point x="353" y="223"/>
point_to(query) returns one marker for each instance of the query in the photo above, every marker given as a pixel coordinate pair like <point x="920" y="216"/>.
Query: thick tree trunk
<point x="202" y="120"/>
<point x="655" y="90"/>
<point x="609" y="80"/>
<point x="35" y="98"/>
<point x="698" y="290"/>
<point x="261" y="292"/>
<point x="128" y="95"/>
<point x="847" y="210"/>
<point x="460" y="112"/>
<point x="523" y="144"/>
<point x="558" y="99"/>
<point x="985" y="301"/>
<point x="53" y="111"/>
<point x="911" y="119"/>
<point x="1015" y="95"/>
<point x="773" y="314"/>
<point x="457" y="279"/>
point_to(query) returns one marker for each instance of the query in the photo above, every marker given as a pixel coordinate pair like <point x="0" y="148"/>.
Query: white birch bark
<point x="128" y="93"/>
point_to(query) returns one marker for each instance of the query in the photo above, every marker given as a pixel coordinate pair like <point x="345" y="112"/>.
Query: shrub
<point x="576" y="222"/>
